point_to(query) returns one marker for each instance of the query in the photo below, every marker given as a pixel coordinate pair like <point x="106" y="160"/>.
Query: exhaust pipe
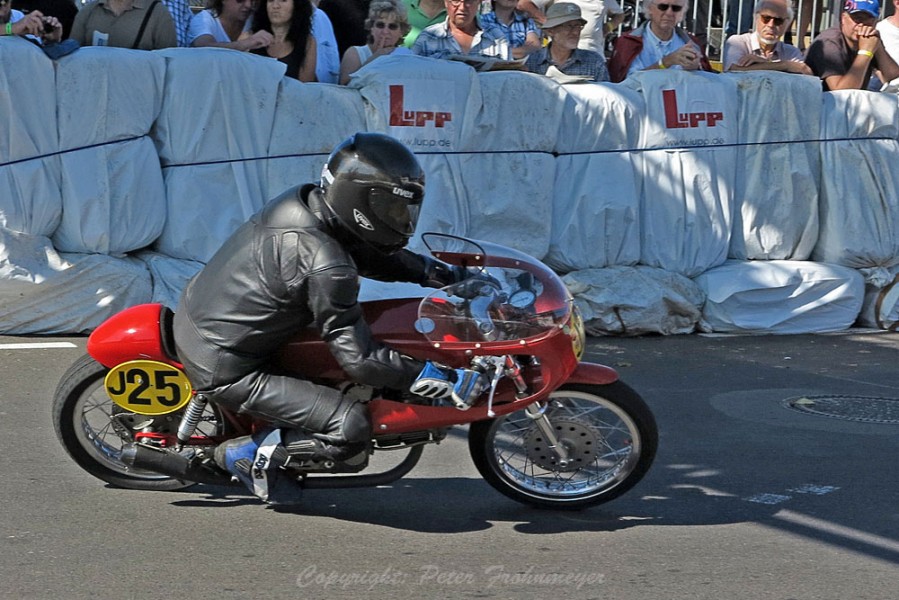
<point x="174" y="465"/>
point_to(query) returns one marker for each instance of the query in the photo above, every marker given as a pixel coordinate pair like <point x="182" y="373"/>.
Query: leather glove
<point x="434" y="381"/>
<point x="463" y="386"/>
<point x="439" y="274"/>
<point x="469" y="385"/>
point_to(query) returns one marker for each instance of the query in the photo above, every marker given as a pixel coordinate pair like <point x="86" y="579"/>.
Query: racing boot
<point x="257" y="461"/>
<point x="302" y="447"/>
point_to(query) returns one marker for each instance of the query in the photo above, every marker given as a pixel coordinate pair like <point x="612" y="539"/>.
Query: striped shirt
<point x="436" y="41"/>
<point x="582" y="62"/>
<point x="517" y="31"/>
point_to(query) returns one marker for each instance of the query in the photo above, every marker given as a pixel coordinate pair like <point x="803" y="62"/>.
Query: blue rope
<point x="60" y="152"/>
<point x="459" y="153"/>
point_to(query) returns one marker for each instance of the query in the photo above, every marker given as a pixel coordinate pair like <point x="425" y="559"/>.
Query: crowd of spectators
<point x="329" y="40"/>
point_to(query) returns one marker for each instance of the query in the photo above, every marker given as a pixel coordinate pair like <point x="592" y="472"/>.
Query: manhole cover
<point x="866" y="409"/>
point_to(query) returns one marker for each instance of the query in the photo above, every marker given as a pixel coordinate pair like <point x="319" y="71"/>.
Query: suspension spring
<point x="191" y="418"/>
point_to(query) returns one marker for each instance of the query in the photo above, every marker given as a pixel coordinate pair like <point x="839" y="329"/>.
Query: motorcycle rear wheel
<point x="609" y="433"/>
<point x="83" y="419"/>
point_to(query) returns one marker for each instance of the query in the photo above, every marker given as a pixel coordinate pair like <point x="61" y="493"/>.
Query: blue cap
<point x="872" y="7"/>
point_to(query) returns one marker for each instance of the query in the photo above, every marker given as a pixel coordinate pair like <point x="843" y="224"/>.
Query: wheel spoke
<point x="588" y="427"/>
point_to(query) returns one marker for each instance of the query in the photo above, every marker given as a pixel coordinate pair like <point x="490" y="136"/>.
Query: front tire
<point x="83" y="416"/>
<point x="609" y="433"/>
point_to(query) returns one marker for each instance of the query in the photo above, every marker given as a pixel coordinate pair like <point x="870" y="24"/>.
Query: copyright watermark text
<point x="490" y="576"/>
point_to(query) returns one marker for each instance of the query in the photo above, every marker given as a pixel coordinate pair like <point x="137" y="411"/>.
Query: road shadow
<point x="668" y="499"/>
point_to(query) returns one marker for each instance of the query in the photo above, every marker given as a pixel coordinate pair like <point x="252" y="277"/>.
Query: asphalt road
<point x="748" y="498"/>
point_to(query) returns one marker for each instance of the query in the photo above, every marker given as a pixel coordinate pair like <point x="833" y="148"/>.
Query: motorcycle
<point x="550" y="431"/>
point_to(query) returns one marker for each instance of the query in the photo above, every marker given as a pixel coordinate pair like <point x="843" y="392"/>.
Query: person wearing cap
<point x="762" y="49"/>
<point x="461" y="34"/>
<point x="659" y="43"/>
<point x="845" y="55"/>
<point x="563" y="25"/>
<point x="601" y="16"/>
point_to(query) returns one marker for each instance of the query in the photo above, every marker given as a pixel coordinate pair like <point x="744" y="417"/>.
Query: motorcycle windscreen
<point x="510" y="296"/>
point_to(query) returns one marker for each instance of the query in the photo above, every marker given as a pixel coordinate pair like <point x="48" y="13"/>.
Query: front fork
<point x="509" y="366"/>
<point x="537" y="412"/>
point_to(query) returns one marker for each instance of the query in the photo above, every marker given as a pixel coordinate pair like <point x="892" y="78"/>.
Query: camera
<point x="48" y="26"/>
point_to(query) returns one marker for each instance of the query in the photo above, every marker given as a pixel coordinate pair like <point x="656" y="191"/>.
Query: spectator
<point x="63" y="10"/>
<point x="137" y="24"/>
<point x="422" y="14"/>
<point x="289" y="22"/>
<point x="461" y="34"/>
<point x="348" y="20"/>
<point x="762" y="48"/>
<point x="563" y="25"/>
<point x="227" y="24"/>
<point x="386" y="25"/>
<point x="601" y="16"/>
<point x="15" y="22"/>
<point x="845" y="55"/>
<point x="327" y="57"/>
<point x="181" y="16"/>
<point x="520" y="30"/>
<point x="659" y="43"/>
<point x="889" y="37"/>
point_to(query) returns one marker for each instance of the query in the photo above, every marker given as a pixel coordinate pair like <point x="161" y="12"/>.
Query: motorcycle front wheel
<point x="93" y="429"/>
<point x="608" y="432"/>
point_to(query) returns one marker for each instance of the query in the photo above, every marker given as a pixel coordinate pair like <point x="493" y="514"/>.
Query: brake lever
<point x="496" y="363"/>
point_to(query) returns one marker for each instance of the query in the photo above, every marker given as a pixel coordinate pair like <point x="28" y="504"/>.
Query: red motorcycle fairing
<point x="593" y="374"/>
<point x="134" y="333"/>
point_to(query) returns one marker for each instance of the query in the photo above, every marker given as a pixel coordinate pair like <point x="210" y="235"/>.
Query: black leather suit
<point x="284" y="270"/>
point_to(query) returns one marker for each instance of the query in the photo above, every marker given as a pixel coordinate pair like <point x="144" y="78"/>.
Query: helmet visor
<point x="398" y="208"/>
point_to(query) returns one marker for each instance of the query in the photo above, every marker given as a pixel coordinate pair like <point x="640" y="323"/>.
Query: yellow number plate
<point x="148" y="387"/>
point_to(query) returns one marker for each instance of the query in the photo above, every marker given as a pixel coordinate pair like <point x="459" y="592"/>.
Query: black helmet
<point x="374" y="186"/>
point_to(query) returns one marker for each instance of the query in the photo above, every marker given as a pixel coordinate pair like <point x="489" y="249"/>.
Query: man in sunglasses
<point x="461" y="34"/>
<point x="659" y="43"/>
<point x="762" y="49"/>
<point x="845" y="56"/>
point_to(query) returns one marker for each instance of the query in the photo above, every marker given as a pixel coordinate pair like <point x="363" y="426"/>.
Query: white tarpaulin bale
<point x="776" y="187"/>
<point x="213" y="154"/>
<point x="624" y="300"/>
<point x="112" y="193"/>
<point x="206" y="205"/>
<point x="170" y="276"/>
<point x="596" y="196"/>
<point x="780" y="297"/>
<point x="422" y="102"/>
<point x="30" y="199"/>
<point x="430" y="105"/>
<point x="688" y="168"/>
<point x="301" y="138"/>
<point x="488" y="175"/>
<point x="43" y="292"/>
<point x="520" y="112"/>
<point x="859" y="204"/>
<point x="113" y="199"/>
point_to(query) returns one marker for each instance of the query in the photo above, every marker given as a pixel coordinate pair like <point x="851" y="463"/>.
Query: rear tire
<point x="82" y="417"/>
<point x="609" y="433"/>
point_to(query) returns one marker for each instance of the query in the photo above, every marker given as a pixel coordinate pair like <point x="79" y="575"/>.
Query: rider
<point x="294" y="264"/>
